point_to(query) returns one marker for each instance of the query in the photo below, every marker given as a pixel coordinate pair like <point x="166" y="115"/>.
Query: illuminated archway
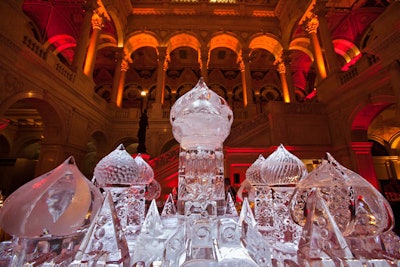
<point x="302" y="44"/>
<point x="139" y="40"/>
<point x="348" y="50"/>
<point x="267" y="42"/>
<point x="226" y="41"/>
<point x="184" y="39"/>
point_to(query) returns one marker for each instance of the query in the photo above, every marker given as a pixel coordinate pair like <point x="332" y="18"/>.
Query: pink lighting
<point x="4" y="123"/>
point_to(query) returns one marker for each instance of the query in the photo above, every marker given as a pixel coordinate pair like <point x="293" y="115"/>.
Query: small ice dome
<point x="60" y="202"/>
<point x="253" y="172"/>
<point x="282" y="168"/>
<point x="201" y="118"/>
<point x="117" y="168"/>
<point x="153" y="190"/>
<point x="146" y="173"/>
<point x="357" y="207"/>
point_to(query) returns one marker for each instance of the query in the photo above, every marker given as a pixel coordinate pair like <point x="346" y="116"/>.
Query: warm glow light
<point x="143" y="93"/>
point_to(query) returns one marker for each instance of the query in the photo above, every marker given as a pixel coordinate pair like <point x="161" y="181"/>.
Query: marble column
<point x="121" y="84"/>
<point x="246" y="79"/>
<point x="97" y="25"/>
<point x="285" y="88"/>
<point x="286" y="60"/>
<point x="82" y="42"/>
<point x="161" y="75"/>
<point x="119" y="78"/>
<point x="326" y="38"/>
<point x="311" y="27"/>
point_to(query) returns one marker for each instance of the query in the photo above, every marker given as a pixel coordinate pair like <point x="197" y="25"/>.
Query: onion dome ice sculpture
<point x="118" y="168"/>
<point x="146" y="176"/>
<point x="201" y="121"/>
<point x="357" y="208"/>
<point x="253" y="174"/>
<point x="279" y="173"/>
<point x="194" y="112"/>
<point x="146" y="173"/>
<point x="58" y="203"/>
<point x="282" y="168"/>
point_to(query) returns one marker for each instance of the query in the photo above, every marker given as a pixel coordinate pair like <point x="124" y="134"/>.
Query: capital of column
<point x="97" y="21"/>
<point x="125" y="64"/>
<point x="246" y="56"/>
<point x="281" y="67"/>
<point x="162" y="57"/>
<point x="203" y="58"/>
<point x="285" y="57"/>
<point x="311" y="24"/>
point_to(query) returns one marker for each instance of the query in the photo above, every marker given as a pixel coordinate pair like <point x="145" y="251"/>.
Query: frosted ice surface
<point x="253" y="174"/>
<point x="194" y="112"/>
<point x="146" y="173"/>
<point x="282" y="168"/>
<point x="153" y="190"/>
<point x="117" y="168"/>
<point x="169" y="207"/>
<point x="357" y="207"/>
<point x="58" y="203"/>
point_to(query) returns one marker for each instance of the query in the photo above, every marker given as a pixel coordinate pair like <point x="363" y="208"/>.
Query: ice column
<point x="201" y="121"/>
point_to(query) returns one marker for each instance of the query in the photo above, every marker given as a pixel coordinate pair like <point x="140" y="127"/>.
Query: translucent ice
<point x="357" y="207"/>
<point x="146" y="173"/>
<point x="117" y="168"/>
<point x="194" y="112"/>
<point x="58" y="203"/>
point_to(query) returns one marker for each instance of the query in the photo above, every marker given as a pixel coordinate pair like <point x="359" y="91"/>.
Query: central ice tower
<point x="201" y="121"/>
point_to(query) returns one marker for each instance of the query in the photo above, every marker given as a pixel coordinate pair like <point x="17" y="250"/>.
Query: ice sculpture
<point x="345" y="221"/>
<point x="104" y="244"/>
<point x="49" y="215"/>
<point x="125" y="178"/>
<point x="146" y="173"/>
<point x="117" y="169"/>
<point x="146" y="177"/>
<point x="275" y="179"/>
<point x="338" y="206"/>
<point x="253" y="174"/>
<point x="201" y="169"/>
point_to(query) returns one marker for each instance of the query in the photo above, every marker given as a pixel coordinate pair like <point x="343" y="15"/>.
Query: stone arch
<point x="348" y="50"/>
<point x="302" y="44"/>
<point x="118" y="26"/>
<point x="226" y="41"/>
<point x="380" y="147"/>
<point x="267" y="42"/>
<point x="139" y="40"/>
<point x="360" y="120"/>
<point x="63" y="41"/>
<point x="363" y="114"/>
<point x="54" y="127"/>
<point x="27" y="151"/>
<point x="107" y="41"/>
<point x="394" y="142"/>
<point x="184" y="39"/>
